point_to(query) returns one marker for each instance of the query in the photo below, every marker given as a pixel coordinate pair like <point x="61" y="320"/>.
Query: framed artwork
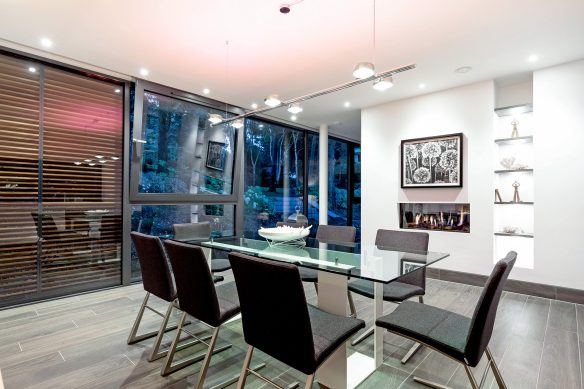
<point x="433" y="162"/>
<point x="409" y="266"/>
<point x="216" y="155"/>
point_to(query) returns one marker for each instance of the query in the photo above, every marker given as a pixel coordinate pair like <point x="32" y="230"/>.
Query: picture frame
<point x="432" y="162"/>
<point x="216" y="155"/>
<point x="409" y="266"/>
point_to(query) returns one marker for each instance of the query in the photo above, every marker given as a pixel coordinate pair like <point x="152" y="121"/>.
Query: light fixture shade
<point x="215" y="118"/>
<point x="237" y="123"/>
<point x="363" y="70"/>
<point x="272" y="101"/>
<point x="382" y="84"/>
<point x="294" y="108"/>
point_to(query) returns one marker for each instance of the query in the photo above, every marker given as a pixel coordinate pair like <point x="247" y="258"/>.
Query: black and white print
<point x="408" y="266"/>
<point x="432" y="162"/>
<point x="216" y="154"/>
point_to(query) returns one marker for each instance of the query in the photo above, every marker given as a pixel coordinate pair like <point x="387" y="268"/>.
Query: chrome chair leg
<point x="430" y="384"/>
<point x="316" y="287"/>
<point x="154" y="354"/>
<point x="132" y="338"/>
<point x="471" y="377"/>
<point x="414" y="349"/>
<point x="351" y="304"/>
<point x="367" y="333"/>
<point x="207" y="360"/>
<point x="309" y="381"/>
<point x="244" y="369"/>
<point x="496" y="371"/>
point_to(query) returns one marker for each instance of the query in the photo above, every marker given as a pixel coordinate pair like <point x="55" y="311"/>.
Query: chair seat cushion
<point x="330" y="331"/>
<point x="308" y="275"/>
<point x="219" y="265"/>
<point x="228" y="301"/>
<point x="443" y="330"/>
<point x="394" y="291"/>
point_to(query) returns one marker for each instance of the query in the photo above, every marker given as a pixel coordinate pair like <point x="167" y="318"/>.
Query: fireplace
<point x="450" y="217"/>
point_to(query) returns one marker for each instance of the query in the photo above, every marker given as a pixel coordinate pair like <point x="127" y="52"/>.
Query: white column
<point x="323" y="175"/>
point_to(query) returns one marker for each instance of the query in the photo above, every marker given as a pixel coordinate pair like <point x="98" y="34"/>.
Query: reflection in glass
<point x="183" y="153"/>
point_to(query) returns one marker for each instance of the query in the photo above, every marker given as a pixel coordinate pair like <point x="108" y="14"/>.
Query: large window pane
<point x="183" y="154"/>
<point x="356" y="179"/>
<point x="274" y="167"/>
<point x="158" y="220"/>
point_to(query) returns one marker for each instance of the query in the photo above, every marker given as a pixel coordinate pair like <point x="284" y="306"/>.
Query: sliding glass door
<point x="61" y="137"/>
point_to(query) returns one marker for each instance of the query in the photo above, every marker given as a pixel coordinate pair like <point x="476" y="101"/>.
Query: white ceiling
<point x="182" y="44"/>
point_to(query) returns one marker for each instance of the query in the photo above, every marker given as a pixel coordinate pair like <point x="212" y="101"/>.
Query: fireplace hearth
<point x="448" y="217"/>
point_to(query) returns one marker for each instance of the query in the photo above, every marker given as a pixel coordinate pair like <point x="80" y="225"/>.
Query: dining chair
<point x="202" y="230"/>
<point x="460" y="338"/>
<point x="277" y="320"/>
<point x="333" y="235"/>
<point x="200" y="298"/>
<point x="407" y="286"/>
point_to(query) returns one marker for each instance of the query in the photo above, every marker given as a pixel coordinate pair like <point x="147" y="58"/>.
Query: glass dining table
<point x="336" y="264"/>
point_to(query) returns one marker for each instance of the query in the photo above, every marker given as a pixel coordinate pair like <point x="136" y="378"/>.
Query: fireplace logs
<point x="453" y="217"/>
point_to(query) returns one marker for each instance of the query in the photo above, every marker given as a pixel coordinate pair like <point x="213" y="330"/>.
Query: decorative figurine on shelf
<point x="514" y="132"/>
<point x="516" y="198"/>
<point x="498" y="198"/>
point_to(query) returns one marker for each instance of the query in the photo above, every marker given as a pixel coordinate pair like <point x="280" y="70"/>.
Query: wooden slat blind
<point x="66" y="232"/>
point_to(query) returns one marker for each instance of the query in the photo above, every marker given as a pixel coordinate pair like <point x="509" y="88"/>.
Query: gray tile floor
<point x="80" y="342"/>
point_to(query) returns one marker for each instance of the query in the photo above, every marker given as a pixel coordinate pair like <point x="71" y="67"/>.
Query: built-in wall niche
<point x="448" y="217"/>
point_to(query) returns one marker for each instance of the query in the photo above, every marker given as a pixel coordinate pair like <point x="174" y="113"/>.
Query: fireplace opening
<point x="450" y="217"/>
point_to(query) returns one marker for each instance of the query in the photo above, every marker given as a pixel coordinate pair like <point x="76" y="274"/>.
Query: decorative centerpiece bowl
<point x="285" y="235"/>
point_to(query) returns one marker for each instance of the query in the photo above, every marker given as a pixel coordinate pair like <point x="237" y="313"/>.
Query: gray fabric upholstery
<point x="460" y="337"/>
<point x="157" y="277"/>
<point x="307" y="274"/>
<point x="219" y="265"/>
<point x="197" y="294"/>
<point x="341" y="235"/>
<point x="276" y="318"/>
<point x="192" y="231"/>
<point x="394" y="291"/>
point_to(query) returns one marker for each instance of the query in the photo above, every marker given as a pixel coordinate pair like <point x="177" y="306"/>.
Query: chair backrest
<point x="194" y="283"/>
<point x="192" y="231"/>
<point x="483" y="319"/>
<point x="406" y="241"/>
<point x="46" y="226"/>
<point x="274" y="312"/>
<point x="341" y="235"/>
<point x="156" y="274"/>
<point x="291" y="224"/>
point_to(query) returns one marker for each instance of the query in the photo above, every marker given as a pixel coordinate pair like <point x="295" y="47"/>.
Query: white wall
<point x="514" y="94"/>
<point x="468" y="109"/>
<point x="558" y="104"/>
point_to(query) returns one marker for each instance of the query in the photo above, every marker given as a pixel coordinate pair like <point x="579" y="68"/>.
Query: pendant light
<point x="237" y="123"/>
<point x="215" y="118"/>
<point x="383" y="84"/>
<point x="295" y="108"/>
<point x="363" y="70"/>
<point x="272" y="101"/>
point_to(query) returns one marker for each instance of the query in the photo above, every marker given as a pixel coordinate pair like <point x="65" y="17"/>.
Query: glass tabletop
<point x="379" y="264"/>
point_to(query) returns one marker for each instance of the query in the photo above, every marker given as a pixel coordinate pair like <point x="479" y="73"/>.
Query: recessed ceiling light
<point x="115" y="158"/>
<point x="77" y="163"/>
<point x="363" y="70"/>
<point x="206" y="91"/>
<point x="99" y="156"/>
<point x="463" y="69"/>
<point x="46" y="42"/>
<point x="102" y="160"/>
<point x="118" y="90"/>
<point x="293" y="118"/>
<point x="254" y="106"/>
<point x="32" y="69"/>
<point x="383" y="84"/>
<point x="215" y="118"/>
<point x="91" y="164"/>
<point x="144" y="72"/>
<point x="87" y="160"/>
<point x="532" y="58"/>
<point x="272" y="101"/>
<point x="422" y="86"/>
<point x="347" y="104"/>
<point x="294" y="108"/>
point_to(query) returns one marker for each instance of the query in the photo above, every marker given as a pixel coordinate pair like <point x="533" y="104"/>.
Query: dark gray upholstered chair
<point x="409" y="285"/>
<point x="333" y="235"/>
<point x="459" y="337"/>
<point x="200" y="298"/>
<point x="157" y="280"/>
<point x="194" y="231"/>
<point x="277" y="320"/>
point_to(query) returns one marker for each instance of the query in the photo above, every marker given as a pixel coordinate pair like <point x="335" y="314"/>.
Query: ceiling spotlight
<point x="238" y="123"/>
<point x="254" y="106"/>
<point x="99" y="156"/>
<point x="293" y="118"/>
<point x="463" y="69"/>
<point x="294" y="108"/>
<point x="532" y="58"/>
<point x="422" y="86"/>
<point x="87" y="160"/>
<point x="215" y="118"/>
<point x="91" y="164"/>
<point x="32" y="69"/>
<point x="118" y="90"/>
<point x="46" y="42"/>
<point x="363" y="70"/>
<point x="115" y="158"/>
<point x="77" y="163"/>
<point x="347" y="104"/>
<point x="206" y="91"/>
<point x="102" y="161"/>
<point x="272" y="101"/>
<point x="383" y="84"/>
<point x="144" y="72"/>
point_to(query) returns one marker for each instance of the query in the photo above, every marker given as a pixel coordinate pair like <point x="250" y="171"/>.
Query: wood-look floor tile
<point x="560" y="364"/>
<point x="563" y="316"/>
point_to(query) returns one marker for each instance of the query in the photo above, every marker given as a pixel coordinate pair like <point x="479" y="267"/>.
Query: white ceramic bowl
<point x="283" y="234"/>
